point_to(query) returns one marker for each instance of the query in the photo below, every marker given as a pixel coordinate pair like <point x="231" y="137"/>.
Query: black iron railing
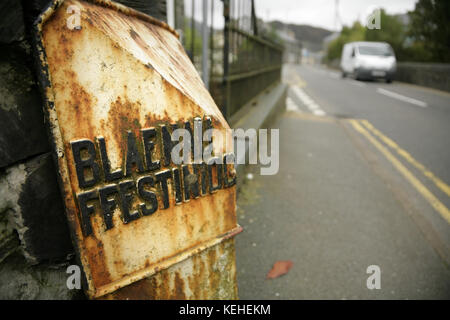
<point x="241" y="62"/>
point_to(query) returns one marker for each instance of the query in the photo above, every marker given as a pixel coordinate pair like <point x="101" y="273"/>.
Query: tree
<point x="348" y="34"/>
<point x="426" y="38"/>
<point x="430" y="28"/>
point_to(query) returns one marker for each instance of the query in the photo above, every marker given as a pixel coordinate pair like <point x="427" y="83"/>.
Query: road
<point x="363" y="180"/>
<point x="423" y="131"/>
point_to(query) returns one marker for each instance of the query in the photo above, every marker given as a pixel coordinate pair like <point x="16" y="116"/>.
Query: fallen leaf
<point x="279" y="268"/>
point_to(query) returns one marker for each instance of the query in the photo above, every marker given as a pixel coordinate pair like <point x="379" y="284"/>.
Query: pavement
<point x="363" y="181"/>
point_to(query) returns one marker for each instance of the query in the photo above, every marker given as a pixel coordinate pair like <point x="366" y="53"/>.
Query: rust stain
<point x="138" y="39"/>
<point x="90" y="102"/>
<point x="204" y="277"/>
<point x="179" y="288"/>
<point x="81" y="103"/>
<point x="144" y="289"/>
<point x="229" y="204"/>
<point x="198" y="281"/>
<point x="164" y="54"/>
<point x="123" y="115"/>
<point x="182" y="106"/>
<point x="96" y="256"/>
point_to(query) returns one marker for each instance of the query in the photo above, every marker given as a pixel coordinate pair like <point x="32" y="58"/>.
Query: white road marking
<point x="291" y="105"/>
<point x="319" y="112"/>
<point x="402" y="98"/>
<point x="357" y="83"/>
<point x="306" y="100"/>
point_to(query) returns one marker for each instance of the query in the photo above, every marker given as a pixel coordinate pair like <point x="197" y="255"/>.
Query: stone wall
<point x="433" y="75"/>
<point x="35" y="246"/>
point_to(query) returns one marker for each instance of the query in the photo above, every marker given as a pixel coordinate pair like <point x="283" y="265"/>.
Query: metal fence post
<point x="211" y="44"/>
<point x="192" y="53"/>
<point x="226" y="62"/>
<point x="205" y="73"/>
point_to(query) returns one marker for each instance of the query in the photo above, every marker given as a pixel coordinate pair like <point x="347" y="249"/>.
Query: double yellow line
<point x="364" y="126"/>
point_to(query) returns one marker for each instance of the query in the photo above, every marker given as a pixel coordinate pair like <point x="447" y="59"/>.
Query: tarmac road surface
<point x="363" y="181"/>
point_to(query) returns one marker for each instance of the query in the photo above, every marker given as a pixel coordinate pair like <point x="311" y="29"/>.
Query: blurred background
<point x="360" y="93"/>
<point x="364" y="151"/>
<point x="244" y="43"/>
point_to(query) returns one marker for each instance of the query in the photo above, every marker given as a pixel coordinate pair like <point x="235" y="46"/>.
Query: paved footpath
<point x="340" y="202"/>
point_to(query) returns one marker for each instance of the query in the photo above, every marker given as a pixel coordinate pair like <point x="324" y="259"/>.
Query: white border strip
<point x="307" y="101"/>
<point x="402" y="98"/>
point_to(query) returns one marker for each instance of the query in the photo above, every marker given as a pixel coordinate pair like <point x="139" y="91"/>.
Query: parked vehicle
<point x="368" y="60"/>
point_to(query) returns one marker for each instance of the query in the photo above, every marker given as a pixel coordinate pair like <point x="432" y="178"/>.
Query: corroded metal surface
<point x="210" y="274"/>
<point x="118" y="75"/>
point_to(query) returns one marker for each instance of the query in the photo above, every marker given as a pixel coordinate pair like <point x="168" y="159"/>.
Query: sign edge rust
<point x="56" y="142"/>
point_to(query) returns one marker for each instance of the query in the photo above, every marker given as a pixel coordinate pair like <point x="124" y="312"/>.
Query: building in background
<point x="292" y="46"/>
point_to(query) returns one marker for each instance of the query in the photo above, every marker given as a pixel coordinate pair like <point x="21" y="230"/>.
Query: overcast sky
<point x="321" y="13"/>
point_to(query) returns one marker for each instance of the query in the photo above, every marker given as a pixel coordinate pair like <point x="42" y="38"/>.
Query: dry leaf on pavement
<point x="279" y="268"/>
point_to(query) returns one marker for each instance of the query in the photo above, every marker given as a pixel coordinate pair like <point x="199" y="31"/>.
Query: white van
<point x="368" y="60"/>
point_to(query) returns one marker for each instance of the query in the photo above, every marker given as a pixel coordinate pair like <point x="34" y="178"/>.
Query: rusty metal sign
<point x="117" y="83"/>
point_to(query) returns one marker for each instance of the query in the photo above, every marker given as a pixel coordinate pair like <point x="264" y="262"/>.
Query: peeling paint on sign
<point x="115" y="87"/>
